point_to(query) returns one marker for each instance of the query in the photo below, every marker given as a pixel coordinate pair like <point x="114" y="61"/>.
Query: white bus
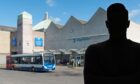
<point x="32" y="62"/>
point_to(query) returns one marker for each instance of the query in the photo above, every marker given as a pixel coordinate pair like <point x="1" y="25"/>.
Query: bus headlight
<point x="45" y="67"/>
<point x="53" y="66"/>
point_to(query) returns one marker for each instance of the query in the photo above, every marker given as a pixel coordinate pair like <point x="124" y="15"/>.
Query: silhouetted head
<point x="117" y="20"/>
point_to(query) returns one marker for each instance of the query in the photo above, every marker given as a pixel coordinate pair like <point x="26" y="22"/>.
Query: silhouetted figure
<point x="117" y="60"/>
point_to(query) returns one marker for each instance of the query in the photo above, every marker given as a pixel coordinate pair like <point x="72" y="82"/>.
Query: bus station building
<point x="68" y="41"/>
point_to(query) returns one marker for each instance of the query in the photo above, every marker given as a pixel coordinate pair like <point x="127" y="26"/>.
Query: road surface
<point x="62" y="75"/>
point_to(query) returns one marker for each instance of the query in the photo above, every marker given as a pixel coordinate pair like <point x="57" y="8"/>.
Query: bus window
<point x="28" y="60"/>
<point x="23" y="60"/>
<point x="49" y="59"/>
<point x="32" y="60"/>
<point x="38" y="60"/>
<point x="16" y="60"/>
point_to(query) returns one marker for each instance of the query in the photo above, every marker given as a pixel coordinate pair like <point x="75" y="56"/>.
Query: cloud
<point x="65" y="13"/>
<point x="55" y="19"/>
<point x="50" y="3"/>
<point x="134" y="13"/>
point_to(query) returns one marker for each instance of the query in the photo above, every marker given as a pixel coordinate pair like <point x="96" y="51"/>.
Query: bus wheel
<point x="13" y="68"/>
<point x="42" y="69"/>
<point x="32" y="69"/>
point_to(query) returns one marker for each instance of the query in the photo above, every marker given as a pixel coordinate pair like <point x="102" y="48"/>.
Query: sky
<point x="60" y="10"/>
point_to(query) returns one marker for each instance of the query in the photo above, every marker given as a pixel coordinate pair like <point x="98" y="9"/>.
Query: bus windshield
<point x="49" y="59"/>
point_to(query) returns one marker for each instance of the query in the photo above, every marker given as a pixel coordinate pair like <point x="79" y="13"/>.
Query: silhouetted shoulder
<point x="134" y="43"/>
<point x="98" y="45"/>
<point x="108" y="43"/>
<point x="109" y="46"/>
<point x="95" y="48"/>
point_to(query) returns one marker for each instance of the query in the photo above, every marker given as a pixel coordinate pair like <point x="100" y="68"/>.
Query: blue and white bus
<point x="32" y="62"/>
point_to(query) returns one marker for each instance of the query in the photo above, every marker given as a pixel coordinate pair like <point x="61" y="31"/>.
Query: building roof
<point x="73" y="19"/>
<point x="7" y="28"/>
<point x="58" y="26"/>
<point x="99" y="14"/>
<point x="83" y="21"/>
<point x="43" y="24"/>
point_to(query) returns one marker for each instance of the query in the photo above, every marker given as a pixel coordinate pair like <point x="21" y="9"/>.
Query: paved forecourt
<point x="62" y="75"/>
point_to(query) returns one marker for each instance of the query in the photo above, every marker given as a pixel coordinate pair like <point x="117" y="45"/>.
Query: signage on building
<point x="14" y="41"/>
<point x="81" y="39"/>
<point x="38" y="41"/>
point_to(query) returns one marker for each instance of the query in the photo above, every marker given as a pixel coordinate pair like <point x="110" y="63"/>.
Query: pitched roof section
<point x="83" y="21"/>
<point x="58" y="26"/>
<point x="7" y="28"/>
<point x="71" y="20"/>
<point x="42" y="25"/>
<point x="74" y="20"/>
<point x="45" y="23"/>
<point x="100" y="12"/>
